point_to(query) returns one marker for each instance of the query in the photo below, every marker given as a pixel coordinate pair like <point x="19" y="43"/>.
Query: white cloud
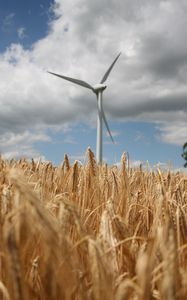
<point x="21" y="32"/>
<point x="27" y="152"/>
<point x="135" y="163"/>
<point x="114" y="133"/>
<point x="69" y="140"/>
<point x="8" y="22"/>
<point x="148" y="83"/>
<point x="140" y="137"/>
<point x="132" y="163"/>
<point x="77" y="157"/>
<point x="21" y="144"/>
<point x="174" y="133"/>
<point x="168" y="167"/>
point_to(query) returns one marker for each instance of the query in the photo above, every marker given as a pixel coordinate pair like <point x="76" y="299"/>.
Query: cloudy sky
<point x="146" y="98"/>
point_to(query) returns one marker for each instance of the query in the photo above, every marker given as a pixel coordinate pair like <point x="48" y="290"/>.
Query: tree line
<point x="184" y="154"/>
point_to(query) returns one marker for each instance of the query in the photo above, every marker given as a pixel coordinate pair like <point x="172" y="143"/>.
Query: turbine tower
<point x="98" y="90"/>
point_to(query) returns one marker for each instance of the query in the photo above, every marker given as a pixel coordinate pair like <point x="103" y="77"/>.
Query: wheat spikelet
<point x="128" y="289"/>
<point x="34" y="278"/>
<point x="66" y="162"/>
<point x="91" y="162"/>
<point x="15" y="265"/>
<point x="75" y="177"/>
<point x="4" y="292"/>
<point x="108" y="241"/>
<point x="100" y="286"/>
<point x="170" y="279"/>
<point x="124" y="188"/>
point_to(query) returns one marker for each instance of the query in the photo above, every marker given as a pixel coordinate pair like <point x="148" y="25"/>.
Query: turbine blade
<point x="109" y="70"/>
<point x="76" y="81"/>
<point x="106" y="124"/>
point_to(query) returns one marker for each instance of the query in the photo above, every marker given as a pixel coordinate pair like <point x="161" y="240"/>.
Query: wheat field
<point x="91" y="232"/>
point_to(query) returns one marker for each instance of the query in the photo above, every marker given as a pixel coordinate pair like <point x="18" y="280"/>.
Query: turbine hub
<point x="99" y="87"/>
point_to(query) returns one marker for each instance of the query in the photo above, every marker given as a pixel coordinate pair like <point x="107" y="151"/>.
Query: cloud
<point x="174" y="133"/>
<point x="69" y="140"/>
<point x="140" y="137"/>
<point x="132" y="163"/>
<point x="21" y="144"/>
<point x="81" y="158"/>
<point x="21" y="32"/>
<point x="149" y="82"/>
<point x="114" y="133"/>
<point x="8" y="23"/>
<point x="135" y="163"/>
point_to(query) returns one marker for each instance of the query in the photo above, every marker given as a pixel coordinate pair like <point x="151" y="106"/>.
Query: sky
<point x="146" y="97"/>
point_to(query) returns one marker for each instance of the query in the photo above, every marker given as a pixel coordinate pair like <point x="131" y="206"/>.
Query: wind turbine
<point x="98" y="90"/>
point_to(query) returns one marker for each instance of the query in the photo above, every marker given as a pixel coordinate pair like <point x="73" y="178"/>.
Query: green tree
<point x="184" y="154"/>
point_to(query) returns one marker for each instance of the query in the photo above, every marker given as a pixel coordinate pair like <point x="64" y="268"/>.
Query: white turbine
<point x="98" y="90"/>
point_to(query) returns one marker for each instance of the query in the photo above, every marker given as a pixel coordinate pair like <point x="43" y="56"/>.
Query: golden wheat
<point x="91" y="232"/>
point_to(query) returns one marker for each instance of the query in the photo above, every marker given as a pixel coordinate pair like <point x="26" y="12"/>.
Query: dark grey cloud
<point x="169" y="103"/>
<point x="161" y="56"/>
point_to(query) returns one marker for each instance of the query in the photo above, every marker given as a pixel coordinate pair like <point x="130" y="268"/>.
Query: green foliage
<point x="184" y="154"/>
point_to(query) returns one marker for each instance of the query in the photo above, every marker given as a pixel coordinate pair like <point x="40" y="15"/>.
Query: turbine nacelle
<point x="99" y="88"/>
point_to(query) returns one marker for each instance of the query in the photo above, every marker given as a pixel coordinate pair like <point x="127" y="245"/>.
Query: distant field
<point x="91" y="232"/>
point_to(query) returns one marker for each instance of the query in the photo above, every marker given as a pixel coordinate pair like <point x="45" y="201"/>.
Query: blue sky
<point x="30" y="16"/>
<point x="145" y="100"/>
